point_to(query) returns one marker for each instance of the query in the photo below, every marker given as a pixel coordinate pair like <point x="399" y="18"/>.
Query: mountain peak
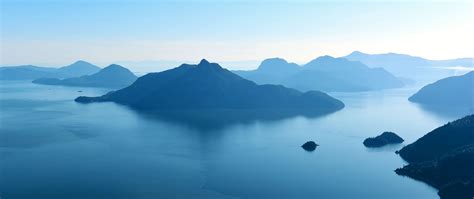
<point x="357" y="53"/>
<point x="203" y="62"/>
<point x="275" y="60"/>
<point x="277" y="64"/>
<point x="206" y="65"/>
<point x="115" y="71"/>
<point x="114" y="67"/>
<point x="80" y="62"/>
<point x="325" y="57"/>
<point x="322" y="59"/>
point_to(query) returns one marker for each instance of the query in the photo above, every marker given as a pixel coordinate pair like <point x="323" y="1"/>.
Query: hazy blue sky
<point x="58" y="32"/>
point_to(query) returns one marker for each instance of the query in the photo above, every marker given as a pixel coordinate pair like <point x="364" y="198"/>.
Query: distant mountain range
<point x="113" y="76"/>
<point x="325" y="73"/>
<point x="448" y="92"/>
<point x="444" y="158"/>
<point x="30" y="72"/>
<point x="209" y="86"/>
<point x="412" y="67"/>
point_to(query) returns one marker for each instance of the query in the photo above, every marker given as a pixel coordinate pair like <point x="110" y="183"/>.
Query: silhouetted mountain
<point x="444" y="158"/>
<point x="324" y="73"/>
<point x="77" y="69"/>
<point x="28" y="72"/>
<point x="25" y="72"/>
<point x="209" y="86"/>
<point x="412" y="67"/>
<point x="30" y="67"/>
<point x="270" y="71"/>
<point x="383" y="139"/>
<point x="388" y="60"/>
<point x="448" y="92"/>
<point x="113" y="76"/>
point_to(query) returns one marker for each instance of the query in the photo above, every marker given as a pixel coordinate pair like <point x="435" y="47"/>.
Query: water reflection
<point x="218" y="119"/>
<point x="56" y="148"/>
<point x="386" y="148"/>
<point x="446" y="112"/>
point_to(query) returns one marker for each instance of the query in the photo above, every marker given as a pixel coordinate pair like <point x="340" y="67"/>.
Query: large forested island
<point x="444" y="159"/>
<point x="209" y="86"/>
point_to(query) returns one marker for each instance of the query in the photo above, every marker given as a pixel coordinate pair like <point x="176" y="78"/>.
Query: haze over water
<point x="52" y="147"/>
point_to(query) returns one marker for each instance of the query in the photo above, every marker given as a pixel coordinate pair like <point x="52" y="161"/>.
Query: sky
<point x="242" y="32"/>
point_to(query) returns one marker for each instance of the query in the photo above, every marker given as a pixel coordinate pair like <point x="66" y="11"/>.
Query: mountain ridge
<point x="324" y="73"/>
<point x="112" y="76"/>
<point x="30" y="72"/>
<point x="414" y="67"/>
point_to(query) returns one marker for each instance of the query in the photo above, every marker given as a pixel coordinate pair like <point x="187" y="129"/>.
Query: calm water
<point x="52" y="147"/>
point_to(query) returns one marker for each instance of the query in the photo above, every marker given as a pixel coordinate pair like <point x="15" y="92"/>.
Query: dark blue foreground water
<point x="52" y="147"/>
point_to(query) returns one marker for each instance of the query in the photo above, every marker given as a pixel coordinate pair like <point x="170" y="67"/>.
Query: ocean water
<point x="52" y="147"/>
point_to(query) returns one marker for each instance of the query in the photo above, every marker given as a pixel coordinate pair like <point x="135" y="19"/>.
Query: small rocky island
<point x="444" y="159"/>
<point x="383" y="139"/>
<point x="309" y="146"/>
